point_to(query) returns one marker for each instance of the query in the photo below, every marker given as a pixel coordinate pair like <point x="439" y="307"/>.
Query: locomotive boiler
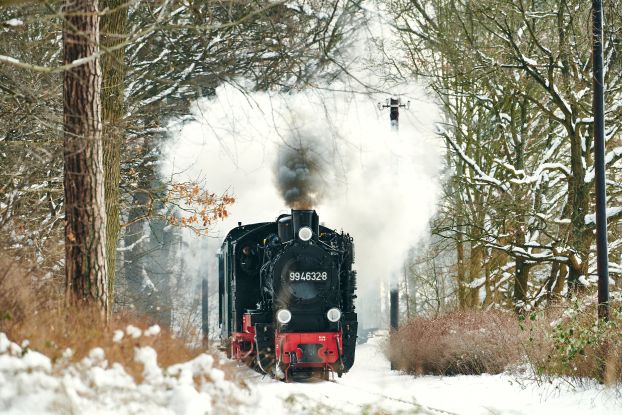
<point x="286" y="296"/>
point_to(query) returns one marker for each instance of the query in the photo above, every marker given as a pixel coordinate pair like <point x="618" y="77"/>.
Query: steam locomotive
<point x="287" y="291"/>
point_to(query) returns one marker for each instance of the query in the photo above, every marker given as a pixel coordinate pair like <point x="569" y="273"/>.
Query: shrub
<point x="463" y="342"/>
<point x="580" y="346"/>
<point x="563" y="341"/>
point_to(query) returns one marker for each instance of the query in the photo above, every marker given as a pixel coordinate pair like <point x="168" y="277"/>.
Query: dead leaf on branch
<point x="201" y="208"/>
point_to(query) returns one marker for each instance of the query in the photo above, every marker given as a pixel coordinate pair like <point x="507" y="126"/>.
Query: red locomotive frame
<point x="287" y="348"/>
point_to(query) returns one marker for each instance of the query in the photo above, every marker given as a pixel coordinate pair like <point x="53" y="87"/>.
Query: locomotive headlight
<point x="284" y="316"/>
<point x="333" y="315"/>
<point x="305" y="233"/>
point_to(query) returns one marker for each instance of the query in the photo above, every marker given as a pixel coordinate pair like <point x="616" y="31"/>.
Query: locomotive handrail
<point x="340" y="350"/>
<point x="278" y="363"/>
<point x="259" y="358"/>
<point x="328" y="247"/>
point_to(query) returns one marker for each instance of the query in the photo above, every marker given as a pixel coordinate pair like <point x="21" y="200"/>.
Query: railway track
<point x="382" y="397"/>
<point x="363" y="390"/>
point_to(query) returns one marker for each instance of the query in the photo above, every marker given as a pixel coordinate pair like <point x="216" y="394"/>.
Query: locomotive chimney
<point x="309" y="218"/>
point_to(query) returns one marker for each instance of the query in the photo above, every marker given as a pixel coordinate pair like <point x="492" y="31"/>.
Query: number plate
<point x="308" y="275"/>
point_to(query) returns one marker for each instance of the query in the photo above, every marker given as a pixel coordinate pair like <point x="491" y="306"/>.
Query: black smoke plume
<point x="301" y="171"/>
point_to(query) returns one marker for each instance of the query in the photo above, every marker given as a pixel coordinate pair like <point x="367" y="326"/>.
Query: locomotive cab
<point x="287" y="292"/>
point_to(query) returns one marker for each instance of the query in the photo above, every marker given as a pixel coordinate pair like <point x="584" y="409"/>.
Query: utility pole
<point x="602" y="259"/>
<point x="394" y="104"/>
<point x="395" y="305"/>
<point x="394" y="313"/>
<point x="204" y="311"/>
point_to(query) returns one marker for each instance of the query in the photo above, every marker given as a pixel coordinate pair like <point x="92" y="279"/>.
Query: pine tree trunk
<point x="113" y="33"/>
<point x="85" y="216"/>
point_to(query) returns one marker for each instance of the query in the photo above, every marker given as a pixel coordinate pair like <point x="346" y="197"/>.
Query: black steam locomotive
<point x="287" y="293"/>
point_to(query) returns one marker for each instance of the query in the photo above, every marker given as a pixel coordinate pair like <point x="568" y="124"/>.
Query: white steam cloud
<point x="377" y="184"/>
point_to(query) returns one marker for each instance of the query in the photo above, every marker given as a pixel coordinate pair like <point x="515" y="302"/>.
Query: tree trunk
<point x="488" y="284"/>
<point x="579" y="196"/>
<point x="521" y="278"/>
<point x="406" y="293"/>
<point x="475" y="270"/>
<point x="550" y="282"/>
<point x="113" y="33"/>
<point x="460" y="266"/>
<point x="559" y="284"/>
<point x="85" y="216"/>
<point x="460" y="275"/>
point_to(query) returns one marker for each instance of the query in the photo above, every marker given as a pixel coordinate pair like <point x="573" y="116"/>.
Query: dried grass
<point x="36" y="314"/>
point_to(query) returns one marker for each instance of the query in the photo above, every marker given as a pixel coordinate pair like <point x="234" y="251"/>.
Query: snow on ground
<point x="30" y="383"/>
<point x="371" y="387"/>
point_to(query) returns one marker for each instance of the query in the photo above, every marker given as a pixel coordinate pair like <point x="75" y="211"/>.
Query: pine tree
<point x="85" y="215"/>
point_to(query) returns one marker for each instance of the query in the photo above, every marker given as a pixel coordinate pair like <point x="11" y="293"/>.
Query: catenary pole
<point x="599" y="160"/>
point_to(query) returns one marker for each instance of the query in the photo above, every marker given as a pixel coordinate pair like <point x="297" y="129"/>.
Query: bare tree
<point x="513" y="80"/>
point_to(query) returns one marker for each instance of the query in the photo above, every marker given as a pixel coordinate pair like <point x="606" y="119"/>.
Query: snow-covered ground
<point x="371" y="388"/>
<point x="30" y="383"/>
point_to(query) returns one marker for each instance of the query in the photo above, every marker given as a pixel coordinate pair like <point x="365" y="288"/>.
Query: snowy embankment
<point x="371" y="387"/>
<point x="30" y="383"/>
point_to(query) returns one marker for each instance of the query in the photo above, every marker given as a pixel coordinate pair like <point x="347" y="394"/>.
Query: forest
<point x="514" y="81"/>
